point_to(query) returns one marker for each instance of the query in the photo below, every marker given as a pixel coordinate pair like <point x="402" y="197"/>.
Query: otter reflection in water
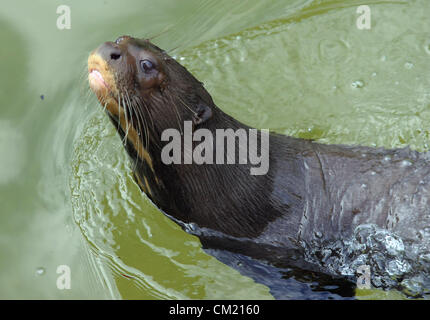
<point x="318" y="213"/>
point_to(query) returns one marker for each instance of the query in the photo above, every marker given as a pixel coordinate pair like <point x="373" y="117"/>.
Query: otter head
<point x="136" y="80"/>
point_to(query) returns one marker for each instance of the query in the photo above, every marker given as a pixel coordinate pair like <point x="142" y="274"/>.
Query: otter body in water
<point x="311" y="190"/>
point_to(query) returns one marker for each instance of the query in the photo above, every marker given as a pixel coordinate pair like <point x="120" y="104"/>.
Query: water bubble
<point x="374" y="74"/>
<point x="393" y="245"/>
<point x="356" y="247"/>
<point x="384" y="58"/>
<point x="326" y="253"/>
<point x="190" y="227"/>
<point x="40" y="271"/>
<point x="362" y="232"/>
<point x="362" y="259"/>
<point x="397" y="268"/>
<point x="318" y="234"/>
<point x="357" y="84"/>
<point x="406" y="163"/>
<point x="377" y="282"/>
<point x="395" y="263"/>
<point x="333" y="50"/>
<point x="409" y="65"/>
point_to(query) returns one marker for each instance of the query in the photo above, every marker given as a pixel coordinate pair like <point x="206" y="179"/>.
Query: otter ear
<point x="203" y="113"/>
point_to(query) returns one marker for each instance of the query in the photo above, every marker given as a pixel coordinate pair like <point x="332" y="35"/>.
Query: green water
<point x="66" y="192"/>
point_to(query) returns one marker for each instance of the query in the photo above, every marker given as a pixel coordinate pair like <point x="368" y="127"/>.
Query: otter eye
<point x="146" y="65"/>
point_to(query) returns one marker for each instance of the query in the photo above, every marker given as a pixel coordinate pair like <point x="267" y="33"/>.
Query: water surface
<point x="299" y="67"/>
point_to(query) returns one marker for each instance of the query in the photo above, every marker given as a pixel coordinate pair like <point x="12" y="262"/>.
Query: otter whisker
<point x="139" y="117"/>
<point x="119" y="114"/>
<point x="83" y="74"/>
<point x="84" y="88"/>
<point x="151" y="120"/>
<point x="129" y="109"/>
<point x="142" y="127"/>
<point x="149" y="114"/>
<point x="133" y="110"/>
<point x="137" y="127"/>
<point x="160" y="33"/>
<point x="126" y="119"/>
<point x="178" y="117"/>
<point x="132" y="113"/>
<point x="186" y="106"/>
<point x="104" y="107"/>
<point x="139" y="104"/>
<point x="169" y="51"/>
<point x="143" y="118"/>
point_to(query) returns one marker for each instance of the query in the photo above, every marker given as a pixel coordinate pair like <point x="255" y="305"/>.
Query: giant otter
<point x="310" y="190"/>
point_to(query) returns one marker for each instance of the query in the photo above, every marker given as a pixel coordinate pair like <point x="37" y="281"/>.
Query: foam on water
<point x="394" y="262"/>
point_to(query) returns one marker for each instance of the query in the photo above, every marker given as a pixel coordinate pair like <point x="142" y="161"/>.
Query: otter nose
<point x="109" y="51"/>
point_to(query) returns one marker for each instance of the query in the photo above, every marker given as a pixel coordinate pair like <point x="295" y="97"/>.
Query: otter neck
<point x="223" y="197"/>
